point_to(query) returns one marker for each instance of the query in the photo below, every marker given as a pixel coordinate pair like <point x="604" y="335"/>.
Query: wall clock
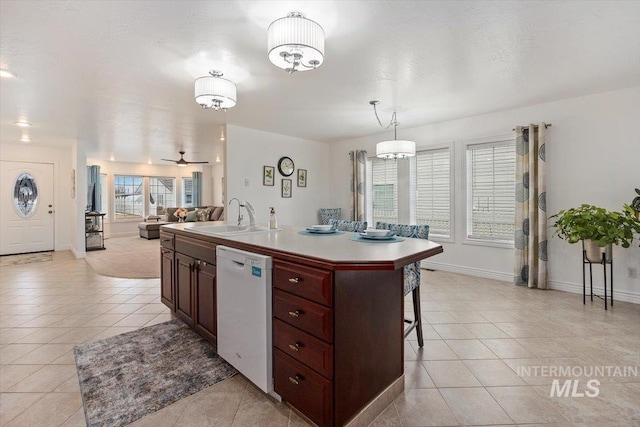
<point x="286" y="166"/>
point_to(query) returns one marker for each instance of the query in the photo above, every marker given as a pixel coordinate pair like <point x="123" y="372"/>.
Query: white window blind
<point x="128" y="192"/>
<point x="491" y="191"/>
<point x="433" y="191"/>
<point x="382" y="191"/>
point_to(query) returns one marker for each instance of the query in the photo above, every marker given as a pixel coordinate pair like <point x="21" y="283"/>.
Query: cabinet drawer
<point x="309" y="350"/>
<point x="303" y="388"/>
<point x="306" y="282"/>
<point x="167" y="240"/>
<point x="198" y="249"/>
<point x="303" y="314"/>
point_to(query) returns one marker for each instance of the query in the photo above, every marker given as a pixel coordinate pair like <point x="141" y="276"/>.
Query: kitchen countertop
<point x="335" y="252"/>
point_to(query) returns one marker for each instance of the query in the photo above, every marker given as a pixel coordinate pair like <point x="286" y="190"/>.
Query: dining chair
<point x="411" y="273"/>
<point x="327" y="214"/>
<point x="346" y="225"/>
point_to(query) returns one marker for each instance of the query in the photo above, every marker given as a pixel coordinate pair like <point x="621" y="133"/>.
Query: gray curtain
<point x="531" y="207"/>
<point x="197" y="188"/>
<point x="358" y="188"/>
<point x="94" y="198"/>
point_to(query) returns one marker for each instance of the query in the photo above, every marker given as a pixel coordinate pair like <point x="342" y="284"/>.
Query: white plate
<point x="323" y="227"/>
<point x="319" y="231"/>
<point x="377" y="233"/>
<point x="367" y="236"/>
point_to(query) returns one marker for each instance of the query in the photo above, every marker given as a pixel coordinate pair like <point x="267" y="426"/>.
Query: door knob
<point x="50" y="211"/>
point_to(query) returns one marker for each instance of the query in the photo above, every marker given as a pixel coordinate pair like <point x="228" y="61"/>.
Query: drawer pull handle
<point x="295" y="379"/>
<point x="294" y="313"/>
<point x="295" y="347"/>
<point x="166" y="240"/>
<point x="294" y="280"/>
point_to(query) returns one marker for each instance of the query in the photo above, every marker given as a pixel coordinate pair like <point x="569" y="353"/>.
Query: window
<point x="382" y="191"/>
<point x="187" y="192"/>
<point x="129" y="202"/>
<point x="162" y="194"/>
<point x="491" y="191"/>
<point x="433" y="191"/>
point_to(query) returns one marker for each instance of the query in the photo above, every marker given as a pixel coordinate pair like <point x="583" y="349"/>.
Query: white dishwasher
<point x="244" y="314"/>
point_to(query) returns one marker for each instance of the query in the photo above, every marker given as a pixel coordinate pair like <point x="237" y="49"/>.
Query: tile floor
<point x="478" y="333"/>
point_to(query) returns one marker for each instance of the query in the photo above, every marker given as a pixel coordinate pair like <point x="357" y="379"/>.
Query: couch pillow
<point x="203" y="214"/>
<point x="216" y="213"/>
<point x="191" y="216"/>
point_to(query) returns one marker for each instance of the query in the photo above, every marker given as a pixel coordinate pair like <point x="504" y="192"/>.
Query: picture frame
<point x="302" y="177"/>
<point x="286" y="188"/>
<point x="268" y="174"/>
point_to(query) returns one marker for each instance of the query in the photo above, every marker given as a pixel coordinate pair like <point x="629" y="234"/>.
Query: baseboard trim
<point x="77" y="254"/>
<point x="576" y="288"/>
<point x="470" y="271"/>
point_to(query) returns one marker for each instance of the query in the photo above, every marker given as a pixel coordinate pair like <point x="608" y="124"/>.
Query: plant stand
<point x="604" y="264"/>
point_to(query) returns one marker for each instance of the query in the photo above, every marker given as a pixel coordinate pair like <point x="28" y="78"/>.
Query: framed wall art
<point x="268" y="173"/>
<point x="302" y="177"/>
<point x="286" y="188"/>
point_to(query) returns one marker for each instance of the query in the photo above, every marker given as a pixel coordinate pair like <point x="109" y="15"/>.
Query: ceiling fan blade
<point x="169" y="160"/>
<point x="195" y="163"/>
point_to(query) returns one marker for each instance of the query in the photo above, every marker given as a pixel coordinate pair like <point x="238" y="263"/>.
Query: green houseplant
<point x="635" y="203"/>
<point x="597" y="227"/>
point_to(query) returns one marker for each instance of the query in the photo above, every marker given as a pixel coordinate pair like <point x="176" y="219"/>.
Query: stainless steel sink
<point x="226" y="230"/>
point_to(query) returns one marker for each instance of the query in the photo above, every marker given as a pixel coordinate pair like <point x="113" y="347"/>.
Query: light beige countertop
<point x="333" y="251"/>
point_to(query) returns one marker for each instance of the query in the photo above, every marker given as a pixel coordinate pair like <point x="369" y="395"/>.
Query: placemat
<point x="395" y="239"/>
<point x="309" y="233"/>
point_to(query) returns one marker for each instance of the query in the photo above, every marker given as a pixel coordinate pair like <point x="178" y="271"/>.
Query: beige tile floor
<point x="477" y="333"/>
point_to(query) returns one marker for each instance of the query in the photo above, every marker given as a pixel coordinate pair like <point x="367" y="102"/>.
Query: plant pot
<point x="594" y="252"/>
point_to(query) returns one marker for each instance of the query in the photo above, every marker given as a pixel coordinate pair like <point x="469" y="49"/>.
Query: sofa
<point x="150" y="229"/>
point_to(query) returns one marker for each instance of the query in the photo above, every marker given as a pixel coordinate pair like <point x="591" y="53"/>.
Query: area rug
<point x="8" y="260"/>
<point x="130" y="257"/>
<point x="125" y="377"/>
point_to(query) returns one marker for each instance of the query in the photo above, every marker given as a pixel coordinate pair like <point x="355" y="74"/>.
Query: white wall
<point x="248" y="150"/>
<point x="115" y="228"/>
<point x="593" y="153"/>
<point x="64" y="205"/>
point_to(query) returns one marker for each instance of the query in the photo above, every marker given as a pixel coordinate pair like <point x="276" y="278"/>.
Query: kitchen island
<point x="338" y="312"/>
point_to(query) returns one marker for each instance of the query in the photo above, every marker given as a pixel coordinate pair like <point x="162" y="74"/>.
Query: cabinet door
<point x="184" y="292"/>
<point x="166" y="278"/>
<point x="205" y="320"/>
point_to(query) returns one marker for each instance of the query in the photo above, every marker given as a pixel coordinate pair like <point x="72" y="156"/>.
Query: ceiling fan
<point x="182" y="162"/>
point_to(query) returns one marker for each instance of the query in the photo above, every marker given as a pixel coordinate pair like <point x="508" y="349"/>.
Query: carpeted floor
<point x="7" y="260"/>
<point x="128" y="376"/>
<point x="130" y="257"/>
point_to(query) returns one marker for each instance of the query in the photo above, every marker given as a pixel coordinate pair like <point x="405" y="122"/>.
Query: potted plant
<point x="635" y="204"/>
<point x="598" y="228"/>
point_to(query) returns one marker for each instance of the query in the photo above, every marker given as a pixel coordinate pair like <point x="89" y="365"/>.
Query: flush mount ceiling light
<point x="23" y="124"/>
<point x="295" y="43"/>
<point x="6" y="73"/>
<point x="396" y="148"/>
<point x="215" y="93"/>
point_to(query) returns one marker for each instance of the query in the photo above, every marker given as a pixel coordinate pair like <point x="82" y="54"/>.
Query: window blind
<point x="491" y="191"/>
<point x="382" y="191"/>
<point x="433" y="191"/>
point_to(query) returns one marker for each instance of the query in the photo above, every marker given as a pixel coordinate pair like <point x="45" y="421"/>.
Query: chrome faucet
<point x="240" y="204"/>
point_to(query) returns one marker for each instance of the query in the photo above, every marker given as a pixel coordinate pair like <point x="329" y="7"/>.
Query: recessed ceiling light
<point x="23" y="124"/>
<point x="149" y="162"/>
<point x="112" y="158"/>
<point x="217" y="159"/>
<point x="25" y="138"/>
<point x="6" y="73"/>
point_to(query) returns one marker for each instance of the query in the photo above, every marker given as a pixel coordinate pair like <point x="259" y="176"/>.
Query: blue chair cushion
<point x="327" y="214"/>
<point x="411" y="271"/>
<point x="345" y="225"/>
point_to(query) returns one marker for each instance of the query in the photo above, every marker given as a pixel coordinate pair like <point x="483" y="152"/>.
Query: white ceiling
<point x="118" y="76"/>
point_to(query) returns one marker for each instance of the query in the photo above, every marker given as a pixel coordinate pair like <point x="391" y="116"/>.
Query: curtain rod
<point x="546" y="125"/>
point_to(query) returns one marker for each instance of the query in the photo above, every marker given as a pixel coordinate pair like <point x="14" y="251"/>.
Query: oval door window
<point x="25" y="195"/>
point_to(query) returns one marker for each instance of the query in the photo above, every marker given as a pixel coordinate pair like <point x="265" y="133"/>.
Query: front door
<point x="26" y="207"/>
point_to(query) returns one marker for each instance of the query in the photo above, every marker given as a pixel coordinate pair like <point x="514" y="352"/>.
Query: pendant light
<point x="396" y="148"/>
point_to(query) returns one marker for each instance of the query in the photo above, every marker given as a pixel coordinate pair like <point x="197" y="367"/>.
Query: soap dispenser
<point x="273" y="222"/>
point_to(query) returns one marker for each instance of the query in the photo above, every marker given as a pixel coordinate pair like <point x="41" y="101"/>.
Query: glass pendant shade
<point x="395" y="149"/>
<point x="215" y="92"/>
<point x="295" y="43"/>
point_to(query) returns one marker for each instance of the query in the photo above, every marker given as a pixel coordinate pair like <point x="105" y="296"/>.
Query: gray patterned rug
<point x="7" y="260"/>
<point x="128" y="376"/>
